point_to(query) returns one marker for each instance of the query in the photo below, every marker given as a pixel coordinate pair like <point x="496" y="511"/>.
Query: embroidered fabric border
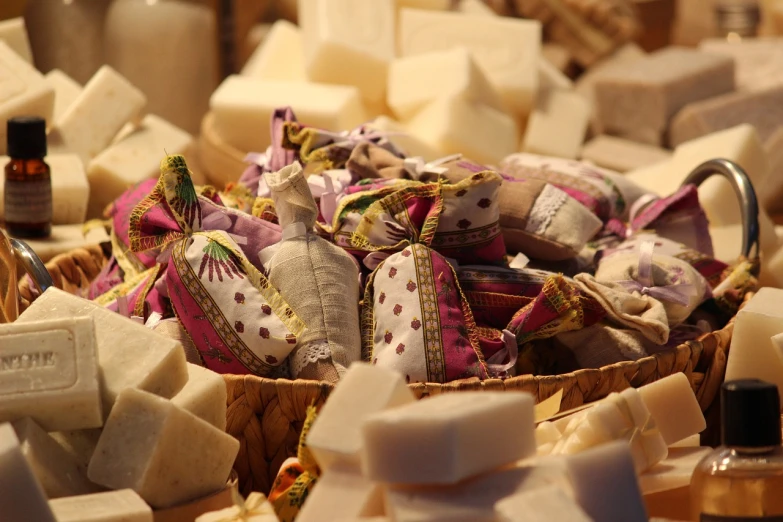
<point x="310" y="353"/>
<point x="436" y="366"/>
<point x="544" y="209"/>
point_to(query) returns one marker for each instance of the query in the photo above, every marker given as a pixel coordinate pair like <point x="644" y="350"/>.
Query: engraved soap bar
<point x="129" y="354"/>
<point x="49" y="371"/>
<point x="165" y="454"/>
<point x="110" y="506"/>
<point x="204" y="396"/>
<point x="21" y="496"/>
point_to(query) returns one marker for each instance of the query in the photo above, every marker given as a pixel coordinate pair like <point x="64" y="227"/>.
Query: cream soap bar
<point x="508" y="50"/>
<point x="673" y="472"/>
<point x="342" y="493"/>
<point x="416" y="81"/>
<point x="335" y="437"/>
<point x="434" y="441"/>
<point x="622" y="155"/>
<point x="129" y="354"/>
<point x="66" y="91"/>
<point x="349" y="42"/>
<point x="752" y="354"/>
<point x="455" y="126"/>
<point x="21" y="496"/>
<point x="398" y="134"/>
<point x="258" y="509"/>
<point x="49" y="371"/>
<point x="110" y="506"/>
<point x="545" y="504"/>
<point x="57" y="471"/>
<point x="14" y="34"/>
<point x="204" y="396"/>
<point x="243" y="108"/>
<point x="758" y="61"/>
<point x="65" y="238"/>
<point x="674" y="407"/>
<point x="280" y="56"/>
<point x="164" y="453"/>
<point x="557" y="125"/>
<point x="106" y="103"/>
<point x="134" y="159"/>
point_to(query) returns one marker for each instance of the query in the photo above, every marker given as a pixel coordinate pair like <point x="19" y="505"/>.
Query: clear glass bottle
<point x="28" y="180"/>
<point x="742" y="480"/>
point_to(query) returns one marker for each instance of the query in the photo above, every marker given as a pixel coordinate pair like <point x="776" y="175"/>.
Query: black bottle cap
<point x="750" y="411"/>
<point x="26" y="137"/>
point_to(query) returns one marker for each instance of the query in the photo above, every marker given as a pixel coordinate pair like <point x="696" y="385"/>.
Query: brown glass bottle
<point x="28" y="180"/>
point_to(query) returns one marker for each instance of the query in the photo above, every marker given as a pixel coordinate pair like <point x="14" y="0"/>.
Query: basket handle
<point x="32" y="264"/>
<point x="746" y="195"/>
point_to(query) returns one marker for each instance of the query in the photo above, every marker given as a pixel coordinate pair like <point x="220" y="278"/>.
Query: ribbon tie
<point x="495" y="363"/>
<point x="256" y="504"/>
<point x="416" y="167"/>
<point x="328" y="200"/>
<point x="677" y="293"/>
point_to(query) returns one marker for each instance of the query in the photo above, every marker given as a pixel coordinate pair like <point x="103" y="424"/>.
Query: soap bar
<point x="56" y="470"/>
<point x="433" y="5"/>
<point x="342" y="493"/>
<point x="398" y="134"/>
<point x="349" y="43"/>
<point x="164" y="453"/>
<point x="21" y="496"/>
<point x="204" y="396"/>
<point x="415" y="81"/>
<point x="674" y="406"/>
<point x="280" y="56"/>
<point x="550" y="77"/>
<point x="79" y="444"/>
<point x="65" y="238"/>
<point x="545" y="504"/>
<point x="14" y="34"/>
<point x="49" y="371"/>
<point x="129" y="353"/>
<point x="455" y="126"/>
<point x="758" y="61"/>
<point x="762" y="109"/>
<point x="335" y="437"/>
<point x="557" y="125"/>
<point x="110" y="506"/>
<point x="727" y="243"/>
<point x="106" y="103"/>
<point x="647" y="93"/>
<point x="674" y="471"/>
<point x="222" y="163"/>
<point x="622" y="155"/>
<point x="259" y="509"/>
<point x="70" y="190"/>
<point x="473" y="7"/>
<point x="134" y="159"/>
<point x="557" y="55"/>
<point x="437" y="440"/>
<point x="18" y="75"/>
<point x="243" y="108"/>
<point x="605" y="484"/>
<point x="508" y="50"/>
<point x="66" y="91"/>
<point x="474" y="500"/>
<point x="752" y="354"/>
<point x="771" y="192"/>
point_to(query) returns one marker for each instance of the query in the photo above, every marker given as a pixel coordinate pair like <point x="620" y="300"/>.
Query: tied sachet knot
<point x="255" y="505"/>
<point x="679" y="293"/>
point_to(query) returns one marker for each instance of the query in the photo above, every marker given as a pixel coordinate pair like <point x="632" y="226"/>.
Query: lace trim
<point x="544" y="209"/>
<point x="310" y="353"/>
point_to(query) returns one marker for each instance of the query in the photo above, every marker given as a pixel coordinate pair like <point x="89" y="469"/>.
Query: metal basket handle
<point x="32" y="264"/>
<point x="746" y="195"/>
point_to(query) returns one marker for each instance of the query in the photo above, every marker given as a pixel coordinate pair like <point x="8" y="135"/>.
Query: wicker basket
<point x="266" y="415"/>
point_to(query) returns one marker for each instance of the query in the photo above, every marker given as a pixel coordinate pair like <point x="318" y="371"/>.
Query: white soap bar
<point x="65" y="238"/>
<point x="622" y="155"/>
<point x="474" y="500"/>
<point x="17" y="75"/>
<point x="342" y="493"/>
<point x="280" y="56"/>
<point x="349" y="42"/>
<point x="243" y="108"/>
<point x="774" y="268"/>
<point x="259" y="509"/>
<point x="758" y="61"/>
<point x="134" y="159"/>
<point x="129" y="354"/>
<point x="752" y="354"/>
<point x="21" y="496"/>
<point x="79" y="444"/>
<point x="455" y="126"/>
<point x="106" y="103"/>
<point x="335" y="437"/>
<point x="474" y="7"/>
<point x="49" y="371"/>
<point x="546" y="504"/>
<point x="727" y="242"/>
<point x="204" y="396"/>
<point x="14" y="34"/>
<point x="110" y="506"/>
<point x="550" y="77"/>
<point x="557" y="125"/>
<point x="508" y="50"/>
<point x="415" y="81"/>
<point x="66" y="91"/>
<point x="605" y="484"/>
<point x="688" y="442"/>
<point x="57" y="471"/>
<point x="164" y="453"/>
<point x="673" y="472"/>
<point x="674" y="406"/>
<point x="448" y="429"/>
<point x="398" y="134"/>
<point x="433" y="5"/>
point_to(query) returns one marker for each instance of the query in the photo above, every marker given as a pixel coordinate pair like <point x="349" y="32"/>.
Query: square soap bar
<point x="110" y="506"/>
<point x="49" y="371"/>
<point x="14" y="34"/>
<point x="66" y="91"/>
<point x="545" y="504"/>
<point x="622" y="155"/>
<point x="342" y="493"/>
<point x="204" y="396"/>
<point x="280" y="56"/>
<point x="508" y="50"/>
<point x="437" y="440"/>
<point x="399" y="135"/>
<point x="758" y="61"/>
<point x="674" y="407"/>
<point x="261" y="511"/>
<point x="129" y="354"/>
<point x="21" y="496"/>
<point x="65" y="238"/>
<point x="557" y="125"/>
<point x="164" y="453"/>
